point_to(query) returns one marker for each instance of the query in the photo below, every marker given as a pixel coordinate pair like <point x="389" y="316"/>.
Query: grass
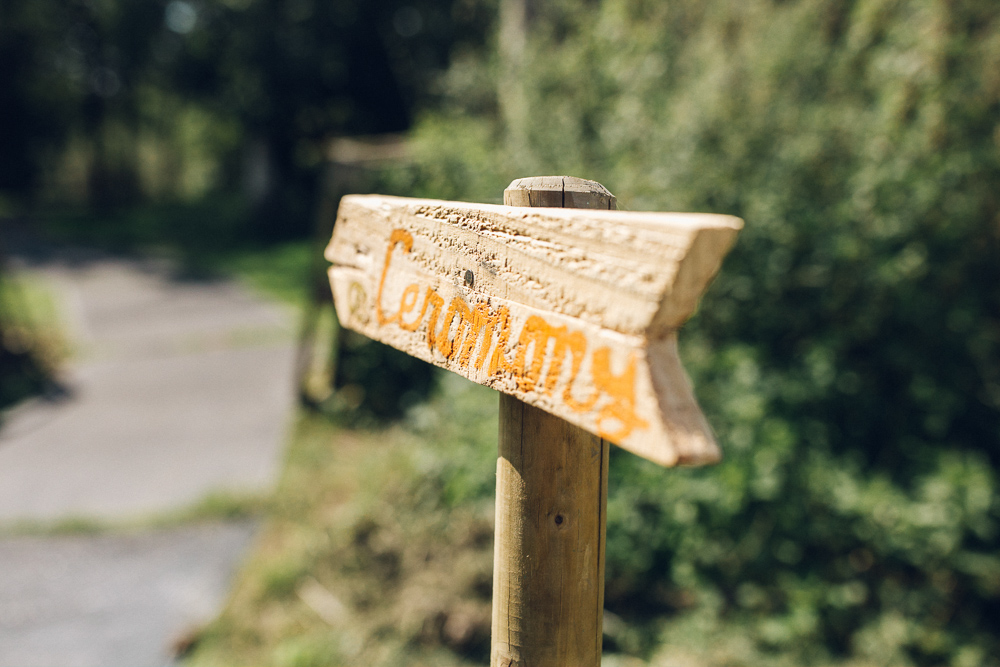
<point x="377" y="549"/>
<point x="32" y="342"/>
<point x="279" y="272"/>
<point x="219" y="506"/>
<point x="207" y="238"/>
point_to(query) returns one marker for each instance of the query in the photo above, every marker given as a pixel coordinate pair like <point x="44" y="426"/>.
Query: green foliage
<point x="376" y="549"/>
<point x="194" y="231"/>
<point x="109" y="104"/>
<point x="31" y="342"/>
<point x="378" y="381"/>
<point x="849" y="353"/>
<point x="319" y="650"/>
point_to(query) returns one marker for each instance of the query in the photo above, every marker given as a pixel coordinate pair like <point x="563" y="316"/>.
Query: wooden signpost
<point x="570" y="309"/>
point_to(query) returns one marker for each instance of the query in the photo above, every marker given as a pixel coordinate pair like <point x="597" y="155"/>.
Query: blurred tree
<point x="298" y="73"/>
<point x="32" y="104"/>
<point x="71" y="69"/>
<point x="106" y="78"/>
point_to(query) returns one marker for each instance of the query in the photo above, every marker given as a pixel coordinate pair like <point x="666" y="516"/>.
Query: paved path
<point x="109" y="600"/>
<point x="178" y="390"/>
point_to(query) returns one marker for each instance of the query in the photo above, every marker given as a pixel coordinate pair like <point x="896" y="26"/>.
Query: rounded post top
<point x="559" y="192"/>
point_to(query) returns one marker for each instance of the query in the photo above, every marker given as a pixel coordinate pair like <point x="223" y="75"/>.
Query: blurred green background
<point x="848" y="355"/>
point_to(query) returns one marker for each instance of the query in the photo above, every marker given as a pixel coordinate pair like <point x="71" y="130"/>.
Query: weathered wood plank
<point x="572" y="311"/>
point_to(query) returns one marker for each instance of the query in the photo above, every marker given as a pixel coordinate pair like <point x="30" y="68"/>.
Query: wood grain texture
<point x="573" y="311"/>
<point x="559" y="192"/>
<point x="548" y="564"/>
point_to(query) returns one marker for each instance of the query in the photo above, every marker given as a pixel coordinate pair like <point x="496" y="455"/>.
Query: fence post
<point x="551" y="502"/>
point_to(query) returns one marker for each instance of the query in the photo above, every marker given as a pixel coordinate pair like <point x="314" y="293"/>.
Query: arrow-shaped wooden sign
<point x="573" y="311"/>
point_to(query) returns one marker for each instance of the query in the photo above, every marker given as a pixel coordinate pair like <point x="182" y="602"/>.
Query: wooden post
<point x="552" y="493"/>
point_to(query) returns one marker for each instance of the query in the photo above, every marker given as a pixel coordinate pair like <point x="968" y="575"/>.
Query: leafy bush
<point x="31" y="346"/>
<point x="378" y="545"/>
<point x="849" y="353"/>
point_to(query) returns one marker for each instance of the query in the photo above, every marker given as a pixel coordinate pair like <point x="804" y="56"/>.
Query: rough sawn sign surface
<point x="574" y="311"/>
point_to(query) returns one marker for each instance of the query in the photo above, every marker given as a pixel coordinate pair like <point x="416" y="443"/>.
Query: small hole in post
<point x="559" y="519"/>
<point x="469" y="278"/>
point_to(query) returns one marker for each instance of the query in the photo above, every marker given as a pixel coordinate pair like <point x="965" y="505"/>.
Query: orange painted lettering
<point x="437" y="301"/>
<point x="537" y="333"/>
<point x="397" y="236"/>
<point x="621" y="390"/>
<point x="481" y="321"/>
<point x="498" y="362"/>
<point x="406" y="304"/>
<point x="445" y="345"/>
